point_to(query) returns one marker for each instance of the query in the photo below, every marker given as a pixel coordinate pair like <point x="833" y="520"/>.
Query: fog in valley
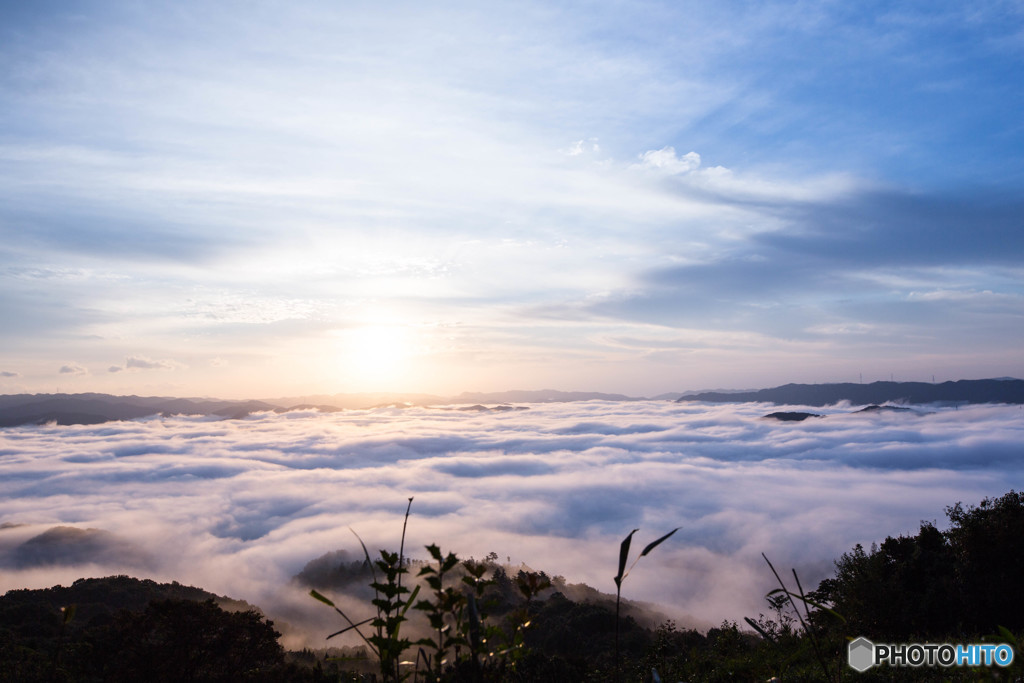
<point x="240" y="506"/>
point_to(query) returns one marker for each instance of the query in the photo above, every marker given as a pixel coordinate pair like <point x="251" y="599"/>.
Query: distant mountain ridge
<point x="370" y="400"/>
<point x="962" y="391"/>
<point x="68" y="409"/>
<point x="92" y="408"/>
<point x="538" y="396"/>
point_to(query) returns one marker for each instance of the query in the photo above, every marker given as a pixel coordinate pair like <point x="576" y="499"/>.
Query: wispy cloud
<point x="142" y="363"/>
<point x="698" y="169"/>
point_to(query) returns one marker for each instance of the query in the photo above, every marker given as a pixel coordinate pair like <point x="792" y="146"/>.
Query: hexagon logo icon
<point x="861" y="654"/>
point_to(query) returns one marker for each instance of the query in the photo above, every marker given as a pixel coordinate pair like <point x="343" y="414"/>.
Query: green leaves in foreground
<point x="445" y="612"/>
<point x="392" y="605"/>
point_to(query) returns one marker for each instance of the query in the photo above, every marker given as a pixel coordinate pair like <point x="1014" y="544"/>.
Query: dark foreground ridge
<point x="960" y="392"/>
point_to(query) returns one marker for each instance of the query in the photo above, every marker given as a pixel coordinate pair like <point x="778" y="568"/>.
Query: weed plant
<point x="465" y="644"/>
<point x="392" y="601"/>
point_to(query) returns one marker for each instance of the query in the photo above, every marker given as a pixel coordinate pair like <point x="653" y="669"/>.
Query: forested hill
<point x="962" y="391"/>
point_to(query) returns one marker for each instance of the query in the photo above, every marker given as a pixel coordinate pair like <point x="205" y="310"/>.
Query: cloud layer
<point x="240" y="506"/>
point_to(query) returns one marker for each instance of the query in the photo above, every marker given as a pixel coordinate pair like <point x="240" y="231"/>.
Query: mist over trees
<point x="958" y="585"/>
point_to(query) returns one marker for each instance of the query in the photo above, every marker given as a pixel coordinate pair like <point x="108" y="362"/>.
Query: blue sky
<point x="265" y="199"/>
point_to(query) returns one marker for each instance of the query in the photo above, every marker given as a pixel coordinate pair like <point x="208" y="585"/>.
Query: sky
<point x="239" y="507"/>
<point x="259" y="199"/>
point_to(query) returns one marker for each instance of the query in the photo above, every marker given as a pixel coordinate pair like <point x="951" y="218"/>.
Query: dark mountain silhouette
<point x="66" y="545"/>
<point x="94" y="596"/>
<point x="67" y="409"/>
<point x="539" y="396"/>
<point x="92" y="408"/>
<point x="125" y="629"/>
<point x="360" y="401"/>
<point x="884" y="409"/>
<point x="963" y="391"/>
<point x="790" y="416"/>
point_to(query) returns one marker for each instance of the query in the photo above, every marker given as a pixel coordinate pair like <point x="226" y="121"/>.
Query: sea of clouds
<point x="240" y="506"/>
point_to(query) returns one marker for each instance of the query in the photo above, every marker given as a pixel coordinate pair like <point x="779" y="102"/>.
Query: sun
<point x="377" y="356"/>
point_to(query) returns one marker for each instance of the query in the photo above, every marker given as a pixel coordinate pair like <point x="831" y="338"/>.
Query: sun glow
<point x="376" y="356"/>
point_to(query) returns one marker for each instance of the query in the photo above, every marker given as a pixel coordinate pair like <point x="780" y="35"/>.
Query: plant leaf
<point x="349" y="628"/>
<point x="408" y="603"/>
<point x="624" y="555"/>
<point x="321" y="598"/>
<point x="764" y="634"/>
<point x="366" y="553"/>
<point x="654" y="544"/>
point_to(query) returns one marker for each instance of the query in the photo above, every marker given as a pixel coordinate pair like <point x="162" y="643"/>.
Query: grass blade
<point x="366" y="554"/>
<point x="654" y="544"/>
<point x="623" y="556"/>
<point x="812" y="603"/>
<point x="349" y="628"/>
<point x="764" y="634"/>
<point x="321" y="598"/>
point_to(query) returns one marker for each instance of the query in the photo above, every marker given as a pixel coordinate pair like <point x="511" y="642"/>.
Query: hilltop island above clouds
<point x="1006" y="390"/>
<point x="68" y="409"/>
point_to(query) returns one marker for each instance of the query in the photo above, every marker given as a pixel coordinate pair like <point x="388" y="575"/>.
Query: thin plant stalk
<point x="401" y="546"/>
<point x="621" y="576"/>
<point x="391" y="607"/>
<point x="803" y="623"/>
